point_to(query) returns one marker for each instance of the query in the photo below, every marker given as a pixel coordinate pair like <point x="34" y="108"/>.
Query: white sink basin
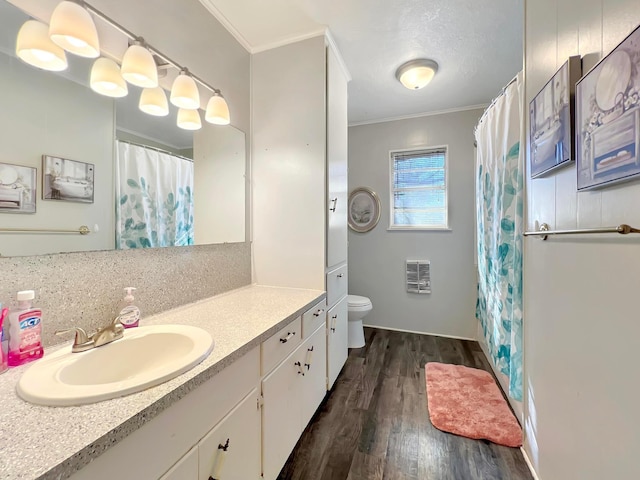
<point x="145" y="357"/>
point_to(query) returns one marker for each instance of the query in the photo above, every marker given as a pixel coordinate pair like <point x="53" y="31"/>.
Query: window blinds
<point x="419" y="188"/>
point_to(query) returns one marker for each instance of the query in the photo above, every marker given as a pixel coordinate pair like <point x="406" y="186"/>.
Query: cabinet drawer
<point x="232" y="450"/>
<point x="277" y="347"/>
<point x="313" y="318"/>
<point x="336" y="285"/>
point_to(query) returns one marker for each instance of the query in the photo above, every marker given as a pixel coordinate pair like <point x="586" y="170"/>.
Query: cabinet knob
<point x="340" y="275"/>
<point x="300" y="369"/>
<point x="334" y="201"/>
<point x="288" y="337"/>
<point x="319" y="312"/>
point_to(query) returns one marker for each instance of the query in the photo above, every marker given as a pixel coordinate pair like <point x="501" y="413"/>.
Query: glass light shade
<point x="34" y="47"/>
<point x="184" y="92"/>
<point x="154" y="102"/>
<point x="417" y="74"/>
<point x="72" y="28"/>
<point x="139" y="68"/>
<point x="189" y="119"/>
<point x="106" y="78"/>
<point x="217" y="110"/>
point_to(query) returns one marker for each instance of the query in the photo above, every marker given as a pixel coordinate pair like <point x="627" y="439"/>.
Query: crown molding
<point x="420" y="115"/>
<point x="289" y="40"/>
<point x="215" y="11"/>
<point x="331" y="41"/>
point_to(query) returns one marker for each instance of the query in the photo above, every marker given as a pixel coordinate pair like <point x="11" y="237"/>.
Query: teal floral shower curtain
<point x="154" y="198"/>
<point x="499" y="202"/>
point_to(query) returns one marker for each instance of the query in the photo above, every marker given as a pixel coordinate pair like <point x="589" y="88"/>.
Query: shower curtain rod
<point x="156" y="149"/>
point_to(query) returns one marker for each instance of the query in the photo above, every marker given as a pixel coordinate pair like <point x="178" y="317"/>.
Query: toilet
<point x="358" y="308"/>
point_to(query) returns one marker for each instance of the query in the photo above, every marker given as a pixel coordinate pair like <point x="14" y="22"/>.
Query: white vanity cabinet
<point x="232" y="450"/>
<point x="337" y="337"/>
<point x="292" y="393"/>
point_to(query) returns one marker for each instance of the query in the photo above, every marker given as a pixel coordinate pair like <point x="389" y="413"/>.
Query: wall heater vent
<point x="418" y="276"/>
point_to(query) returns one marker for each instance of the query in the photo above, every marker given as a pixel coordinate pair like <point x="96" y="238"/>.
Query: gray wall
<point x="84" y="289"/>
<point x="581" y="293"/>
<point x="377" y="258"/>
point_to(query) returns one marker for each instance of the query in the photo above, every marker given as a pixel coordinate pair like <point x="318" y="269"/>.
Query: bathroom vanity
<point x="237" y="415"/>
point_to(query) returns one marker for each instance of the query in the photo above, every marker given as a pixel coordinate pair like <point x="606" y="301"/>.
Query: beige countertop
<point x="53" y="442"/>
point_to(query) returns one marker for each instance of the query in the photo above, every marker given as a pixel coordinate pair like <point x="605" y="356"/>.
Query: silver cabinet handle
<point x="300" y="368"/>
<point x="333" y="323"/>
<point x="319" y="312"/>
<point x="334" y="201"/>
<point x="340" y="275"/>
<point x="288" y="337"/>
<point x="220" y="458"/>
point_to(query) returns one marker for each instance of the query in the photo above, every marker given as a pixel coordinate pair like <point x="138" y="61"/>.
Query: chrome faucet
<point x="83" y="341"/>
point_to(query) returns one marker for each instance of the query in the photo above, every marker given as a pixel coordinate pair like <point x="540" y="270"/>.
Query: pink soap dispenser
<point x="130" y="314"/>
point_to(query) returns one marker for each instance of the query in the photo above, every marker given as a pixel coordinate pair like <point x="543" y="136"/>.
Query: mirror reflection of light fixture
<point x="189" y="119"/>
<point x="184" y="91"/>
<point x="34" y="47"/>
<point x="416" y="74"/>
<point x="217" y="110"/>
<point x="106" y="78"/>
<point x="72" y="28"/>
<point x="154" y="102"/>
<point x="138" y="66"/>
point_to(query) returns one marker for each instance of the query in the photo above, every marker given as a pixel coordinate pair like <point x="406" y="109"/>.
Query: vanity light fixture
<point x="34" y="47"/>
<point x="72" y="28"/>
<point x="184" y="91"/>
<point x="106" y="78"/>
<point x="217" y="110"/>
<point x="154" y="102"/>
<point x="189" y="119"/>
<point x="416" y="74"/>
<point x="138" y="66"/>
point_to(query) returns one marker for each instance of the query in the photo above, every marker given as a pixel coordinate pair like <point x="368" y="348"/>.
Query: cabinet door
<point x="337" y="340"/>
<point x="336" y="162"/>
<point x="185" y="469"/>
<point x="281" y="413"/>
<point x="314" y="382"/>
<point x="231" y="451"/>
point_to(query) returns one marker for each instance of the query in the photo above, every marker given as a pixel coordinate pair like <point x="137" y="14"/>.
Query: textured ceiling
<point x="477" y="44"/>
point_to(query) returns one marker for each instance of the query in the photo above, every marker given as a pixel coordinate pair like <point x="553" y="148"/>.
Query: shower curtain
<point x="499" y="202"/>
<point x="154" y="198"/>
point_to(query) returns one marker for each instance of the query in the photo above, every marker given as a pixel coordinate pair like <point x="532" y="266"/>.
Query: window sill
<point x="419" y="229"/>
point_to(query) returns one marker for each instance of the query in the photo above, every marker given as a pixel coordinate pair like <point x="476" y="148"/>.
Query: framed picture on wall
<point x="363" y="209"/>
<point x="551" y="114"/>
<point x="17" y="189"/>
<point x="608" y="118"/>
<point x="67" y="180"/>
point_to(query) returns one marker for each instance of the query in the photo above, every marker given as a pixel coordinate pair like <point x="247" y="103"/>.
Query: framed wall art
<point x="363" y="209"/>
<point x="608" y="118"/>
<point x="67" y="180"/>
<point x="551" y="115"/>
<point x="17" y="189"/>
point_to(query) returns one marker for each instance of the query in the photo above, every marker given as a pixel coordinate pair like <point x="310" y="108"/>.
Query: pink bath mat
<point x="467" y="401"/>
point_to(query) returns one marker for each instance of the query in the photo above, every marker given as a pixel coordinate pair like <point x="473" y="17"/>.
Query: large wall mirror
<point x="71" y="157"/>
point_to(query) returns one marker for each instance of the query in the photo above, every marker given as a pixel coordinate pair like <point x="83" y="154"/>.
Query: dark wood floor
<point x="375" y="424"/>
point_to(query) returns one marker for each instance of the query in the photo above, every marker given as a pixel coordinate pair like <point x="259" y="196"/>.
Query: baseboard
<point x="421" y="333"/>
<point x="529" y="464"/>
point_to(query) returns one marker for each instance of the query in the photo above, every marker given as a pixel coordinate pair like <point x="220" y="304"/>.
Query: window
<point x="419" y="189"/>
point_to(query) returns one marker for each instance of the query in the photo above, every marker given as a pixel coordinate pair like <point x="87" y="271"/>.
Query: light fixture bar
<point x="153" y="50"/>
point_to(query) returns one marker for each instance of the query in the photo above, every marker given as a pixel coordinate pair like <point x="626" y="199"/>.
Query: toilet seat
<point x="358" y="301"/>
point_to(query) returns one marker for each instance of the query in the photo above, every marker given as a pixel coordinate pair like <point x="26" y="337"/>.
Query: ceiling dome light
<point x="416" y="74"/>
<point x="217" y="110"/>
<point x="72" y="28"/>
<point x="154" y="102"/>
<point x="106" y="79"/>
<point x="138" y="66"/>
<point x="184" y="91"/>
<point x="34" y="47"/>
<point x="189" y="119"/>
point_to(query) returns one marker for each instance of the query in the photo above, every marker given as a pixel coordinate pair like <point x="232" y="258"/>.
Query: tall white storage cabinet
<point x="299" y="178"/>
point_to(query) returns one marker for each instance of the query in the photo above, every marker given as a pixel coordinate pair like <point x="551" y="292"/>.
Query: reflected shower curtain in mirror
<point x="154" y="198"/>
<point x="499" y="202"/>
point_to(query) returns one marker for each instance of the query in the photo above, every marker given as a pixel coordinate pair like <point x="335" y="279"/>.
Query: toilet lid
<point x="358" y="301"/>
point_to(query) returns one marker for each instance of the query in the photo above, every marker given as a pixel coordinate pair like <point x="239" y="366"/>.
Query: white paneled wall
<point x="581" y="293"/>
